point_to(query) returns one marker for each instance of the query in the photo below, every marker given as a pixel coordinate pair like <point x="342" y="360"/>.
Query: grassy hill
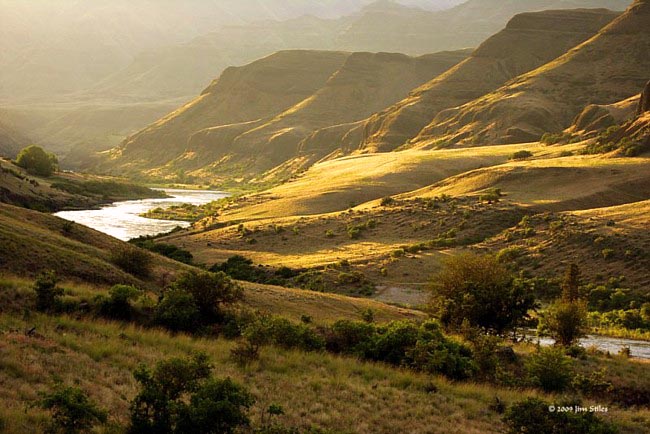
<point x="610" y="67"/>
<point x="315" y="390"/>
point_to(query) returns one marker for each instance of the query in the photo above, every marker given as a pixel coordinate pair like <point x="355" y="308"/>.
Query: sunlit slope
<point x="259" y="90"/>
<point x="528" y="41"/>
<point x="338" y="184"/>
<point x="253" y="118"/>
<point x="610" y="67"/>
<point x="365" y="83"/>
<point x="568" y="183"/>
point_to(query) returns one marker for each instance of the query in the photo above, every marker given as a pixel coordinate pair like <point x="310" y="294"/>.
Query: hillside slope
<point x="528" y="41"/>
<point x="253" y="118"/>
<point x="11" y="140"/>
<point x="246" y="94"/>
<point x="610" y="67"/>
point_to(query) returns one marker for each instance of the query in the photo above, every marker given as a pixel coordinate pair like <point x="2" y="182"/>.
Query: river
<point x="122" y="220"/>
<point x="639" y="349"/>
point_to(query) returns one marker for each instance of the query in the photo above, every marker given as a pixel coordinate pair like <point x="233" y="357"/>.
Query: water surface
<point x="122" y="220"/>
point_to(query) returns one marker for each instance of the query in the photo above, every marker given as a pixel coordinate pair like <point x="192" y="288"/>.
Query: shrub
<point x="167" y="250"/>
<point x="481" y="291"/>
<point x="387" y="201"/>
<point x="209" y="291"/>
<point x="521" y="155"/>
<point x="118" y="305"/>
<point x="177" y="311"/>
<point x="350" y="337"/>
<point x="133" y="260"/>
<point x="72" y="411"/>
<point x="534" y="415"/>
<point x="48" y="295"/>
<point x="36" y="161"/>
<point x="180" y="396"/>
<point x="550" y="370"/>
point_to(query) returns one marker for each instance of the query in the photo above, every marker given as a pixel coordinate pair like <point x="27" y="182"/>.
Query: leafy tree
<point x="565" y="321"/>
<point x="36" y="161"/>
<point x="48" y="294"/>
<point x="72" y="410"/>
<point x="209" y="291"/>
<point x="181" y="396"/>
<point x="482" y="292"/>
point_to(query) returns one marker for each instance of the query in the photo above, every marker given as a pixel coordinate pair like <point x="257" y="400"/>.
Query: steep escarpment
<point x="255" y="91"/>
<point x="254" y="118"/>
<point x="610" y="67"/>
<point x="528" y="41"/>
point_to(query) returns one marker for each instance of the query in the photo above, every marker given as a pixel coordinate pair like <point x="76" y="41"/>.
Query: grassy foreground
<point x="316" y="390"/>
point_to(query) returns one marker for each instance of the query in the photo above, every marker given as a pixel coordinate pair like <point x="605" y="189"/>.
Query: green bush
<point x="534" y="415"/>
<point x="48" y="295"/>
<point x="118" y="305"/>
<point x="167" y="250"/>
<point x="133" y="260"/>
<point x="521" y="155"/>
<point x="36" y="161"/>
<point x="72" y="411"/>
<point x="177" y="311"/>
<point x="180" y="396"/>
<point x="549" y="369"/>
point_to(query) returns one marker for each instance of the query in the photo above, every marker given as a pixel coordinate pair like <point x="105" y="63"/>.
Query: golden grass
<point x="338" y="184"/>
<point x="335" y="393"/>
<point x="569" y="183"/>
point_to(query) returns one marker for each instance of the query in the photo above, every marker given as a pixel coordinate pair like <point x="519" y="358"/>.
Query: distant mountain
<point x="254" y="118"/>
<point x="528" y="41"/>
<point x="11" y="139"/>
<point x="610" y="67"/>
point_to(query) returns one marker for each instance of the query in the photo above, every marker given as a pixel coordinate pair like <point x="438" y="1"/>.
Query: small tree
<point x="48" y="294"/>
<point x="180" y="396"/>
<point x="482" y="292"/>
<point x="571" y="283"/>
<point x="72" y="411"/>
<point x="565" y="321"/>
<point x="210" y="291"/>
<point x="36" y="161"/>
